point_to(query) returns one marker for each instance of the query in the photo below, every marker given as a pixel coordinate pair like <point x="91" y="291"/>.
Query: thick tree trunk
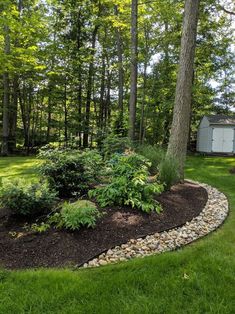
<point x="6" y="98"/>
<point x="134" y="59"/>
<point x="177" y="146"/>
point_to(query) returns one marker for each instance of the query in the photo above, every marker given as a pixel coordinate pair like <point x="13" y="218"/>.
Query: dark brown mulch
<point x="56" y="248"/>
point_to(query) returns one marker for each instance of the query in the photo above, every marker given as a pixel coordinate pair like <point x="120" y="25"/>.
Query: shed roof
<point x="221" y="119"/>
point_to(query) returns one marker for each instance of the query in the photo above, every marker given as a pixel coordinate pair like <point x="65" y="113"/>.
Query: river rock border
<point x="211" y="217"/>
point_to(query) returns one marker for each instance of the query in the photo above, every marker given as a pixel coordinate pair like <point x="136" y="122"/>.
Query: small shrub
<point x="154" y="154"/>
<point x="129" y="184"/>
<point x="71" y="172"/>
<point x="26" y="199"/>
<point x="168" y="172"/>
<point x="78" y="214"/>
<point x="42" y="227"/>
<point x="113" y="144"/>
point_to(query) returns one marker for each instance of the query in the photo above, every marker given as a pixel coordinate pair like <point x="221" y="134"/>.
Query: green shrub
<point x="154" y="154"/>
<point x="168" y="172"/>
<point x="73" y="216"/>
<point x="113" y="144"/>
<point x="129" y="184"/>
<point x="26" y="199"/>
<point x="71" y="172"/>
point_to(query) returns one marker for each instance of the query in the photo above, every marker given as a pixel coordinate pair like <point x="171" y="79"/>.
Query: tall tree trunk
<point x="6" y="98"/>
<point x="102" y="93"/>
<point x="79" y="97"/>
<point x="49" y="112"/>
<point x="177" y="147"/>
<point x="13" y="115"/>
<point x="65" y="114"/>
<point x="89" y="89"/>
<point x="107" y="114"/>
<point x="120" y="70"/>
<point x="141" y="132"/>
<point x="134" y="59"/>
<point x="146" y="58"/>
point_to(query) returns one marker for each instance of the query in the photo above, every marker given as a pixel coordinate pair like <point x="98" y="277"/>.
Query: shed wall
<point x="204" y="140"/>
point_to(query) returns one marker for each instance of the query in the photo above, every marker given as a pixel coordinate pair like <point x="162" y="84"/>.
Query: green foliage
<point x="208" y="285"/>
<point x="73" y="216"/>
<point x="115" y="144"/>
<point x="71" y="172"/>
<point x="3" y="275"/>
<point x="129" y="184"/>
<point x="168" y="173"/>
<point x="42" y="227"/>
<point x="154" y="154"/>
<point x="26" y="199"/>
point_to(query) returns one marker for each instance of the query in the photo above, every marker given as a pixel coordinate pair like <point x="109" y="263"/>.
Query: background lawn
<point x="19" y="167"/>
<point x="197" y="279"/>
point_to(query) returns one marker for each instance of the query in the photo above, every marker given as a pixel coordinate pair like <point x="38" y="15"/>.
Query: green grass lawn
<point x="197" y="279"/>
<point x="19" y="167"/>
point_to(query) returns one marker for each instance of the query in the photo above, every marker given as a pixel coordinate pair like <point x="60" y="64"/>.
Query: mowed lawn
<point x="199" y="278"/>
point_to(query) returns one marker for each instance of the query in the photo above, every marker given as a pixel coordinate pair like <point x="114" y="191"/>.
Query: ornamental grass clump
<point x="154" y="154"/>
<point x="129" y="184"/>
<point x="168" y="172"/>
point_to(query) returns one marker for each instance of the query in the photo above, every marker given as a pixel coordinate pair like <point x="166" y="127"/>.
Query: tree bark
<point x="134" y="59"/>
<point x="89" y="89"/>
<point x="79" y="97"/>
<point x="6" y="98"/>
<point x="120" y="70"/>
<point x="13" y="115"/>
<point x="177" y="147"/>
<point x="65" y="114"/>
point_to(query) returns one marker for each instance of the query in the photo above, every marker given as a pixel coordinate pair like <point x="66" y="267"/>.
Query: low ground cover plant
<point x="27" y="198"/>
<point x="82" y="213"/>
<point x="72" y="216"/>
<point x="71" y="172"/>
<point x="129" y="184"/>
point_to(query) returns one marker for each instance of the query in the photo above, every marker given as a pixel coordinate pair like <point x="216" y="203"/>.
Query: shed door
<point x="222" y="140"/>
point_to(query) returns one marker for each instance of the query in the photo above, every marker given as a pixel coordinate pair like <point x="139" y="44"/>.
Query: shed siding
<point x="204" y="139"/>
<point x="205" y="134"/>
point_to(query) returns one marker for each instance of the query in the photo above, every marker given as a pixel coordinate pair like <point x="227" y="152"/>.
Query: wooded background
<point x="66" y="69"/>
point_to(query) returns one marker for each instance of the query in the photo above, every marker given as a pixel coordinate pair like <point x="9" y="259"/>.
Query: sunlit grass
<point x="199" y="278"/>
<point x="19" y="167"/>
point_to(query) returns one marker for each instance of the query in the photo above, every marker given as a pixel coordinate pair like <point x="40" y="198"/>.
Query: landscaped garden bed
<point x="23" y="248"/>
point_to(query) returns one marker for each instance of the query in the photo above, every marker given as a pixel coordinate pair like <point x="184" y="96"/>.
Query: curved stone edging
<point x="210" y="218"/>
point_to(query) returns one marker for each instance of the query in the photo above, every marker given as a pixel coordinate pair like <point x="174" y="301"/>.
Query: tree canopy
<point x="66" y="69"/>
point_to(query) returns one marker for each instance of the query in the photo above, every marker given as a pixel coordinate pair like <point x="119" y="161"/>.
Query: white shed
<point x="216" y="134"/>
